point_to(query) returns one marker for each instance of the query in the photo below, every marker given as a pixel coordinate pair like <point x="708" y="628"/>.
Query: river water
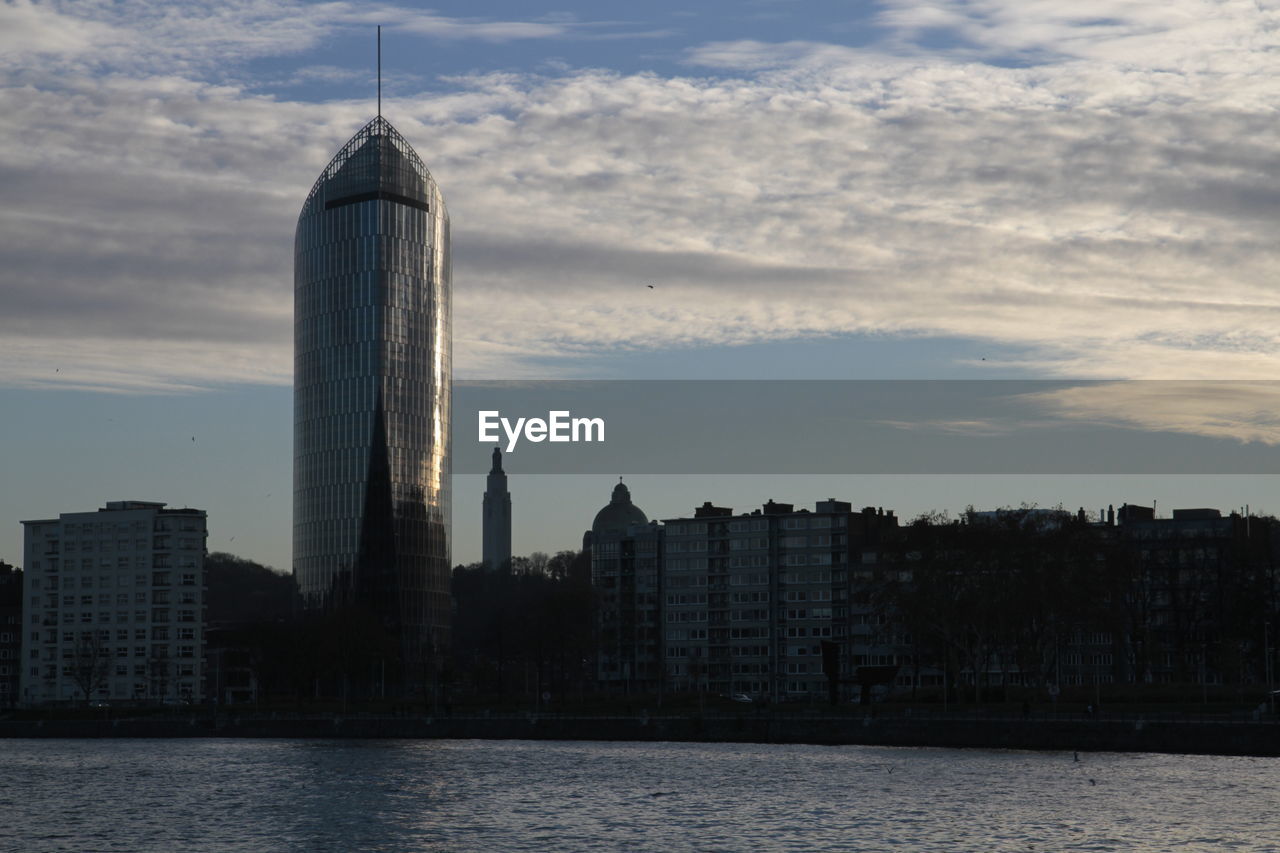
<point x="294" y="795"/>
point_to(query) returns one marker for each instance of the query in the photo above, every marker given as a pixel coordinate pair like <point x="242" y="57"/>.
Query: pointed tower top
<point x="497" y="462"/>
<point x="379" y="72"/>
<point x="376" y="159"/>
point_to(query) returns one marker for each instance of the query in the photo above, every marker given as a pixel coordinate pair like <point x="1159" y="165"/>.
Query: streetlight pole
<point x="1266" y="652"/>
<point x="1204" y="675"/>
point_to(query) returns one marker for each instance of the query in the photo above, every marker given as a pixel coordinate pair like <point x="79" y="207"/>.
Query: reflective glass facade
<point x="372" y="385"/>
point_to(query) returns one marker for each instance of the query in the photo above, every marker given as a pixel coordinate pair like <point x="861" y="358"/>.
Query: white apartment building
<point x="114" y="606"/>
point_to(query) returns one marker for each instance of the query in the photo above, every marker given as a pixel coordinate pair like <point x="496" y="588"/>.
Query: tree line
<point x="983" y="600"/>
<point x="523" y="631"/>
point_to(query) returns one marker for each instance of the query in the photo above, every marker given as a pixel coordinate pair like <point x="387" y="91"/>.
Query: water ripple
<point x="267" y="796"/>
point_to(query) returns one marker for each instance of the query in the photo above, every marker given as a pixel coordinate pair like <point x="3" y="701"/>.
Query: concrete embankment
<point x="1129" y="734"/>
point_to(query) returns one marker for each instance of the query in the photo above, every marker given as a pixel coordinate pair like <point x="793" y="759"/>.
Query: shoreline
<point x="1124" y="734"/>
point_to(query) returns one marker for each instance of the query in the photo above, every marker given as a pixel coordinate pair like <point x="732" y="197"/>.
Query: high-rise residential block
<point x="115" y="606"/>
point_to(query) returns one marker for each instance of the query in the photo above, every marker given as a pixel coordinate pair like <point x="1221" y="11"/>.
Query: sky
<point x="906" y="189"/>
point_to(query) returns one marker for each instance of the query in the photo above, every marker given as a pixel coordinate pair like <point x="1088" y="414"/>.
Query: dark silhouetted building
<point x="372" y="390"/>
<point x="625" y="551"/>
<point x="749" y="599"/>
<point x="735" y="603"/>
<point x="497" y="517"/>
<point x="785" y="603"/>
<point x="10" y="633"/>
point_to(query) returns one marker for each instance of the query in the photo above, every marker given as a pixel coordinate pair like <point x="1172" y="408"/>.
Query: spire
<point x="497" y="462"/>
<point x="379" y="72"/>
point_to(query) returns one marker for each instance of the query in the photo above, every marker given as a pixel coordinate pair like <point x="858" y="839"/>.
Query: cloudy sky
<point x="895" y="189"/>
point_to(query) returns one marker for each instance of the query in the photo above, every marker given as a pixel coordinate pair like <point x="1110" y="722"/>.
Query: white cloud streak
<point x="200" y="36"/>
<point x="1246" y="412"/>
<point x="1109" y="207"/>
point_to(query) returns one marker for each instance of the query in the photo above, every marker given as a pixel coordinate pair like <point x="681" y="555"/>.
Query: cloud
<point x="327" y="74"/>
<point x="752" y="55"/>
<point x="1109" y="214"/>
<point x="1247" y="412"/>
<point x="33" y="28"/>
<point x="1185" y="36"/>
<point x="141" y="366"/>
<point x="980" y="427"/>
<point x="213" y="36"/>
<point x="451" y="28"/>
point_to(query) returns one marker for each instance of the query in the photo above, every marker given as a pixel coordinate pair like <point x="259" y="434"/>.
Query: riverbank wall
<point x="1129" y="734"/>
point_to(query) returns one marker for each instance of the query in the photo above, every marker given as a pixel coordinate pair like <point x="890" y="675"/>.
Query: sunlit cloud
<point x="1246" y="412"/>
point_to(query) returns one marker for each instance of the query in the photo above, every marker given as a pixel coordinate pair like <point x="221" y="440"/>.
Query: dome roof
<point x="618" y="515"/>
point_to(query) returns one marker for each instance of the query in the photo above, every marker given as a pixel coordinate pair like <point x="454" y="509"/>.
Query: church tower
<point x="497" y="517"/>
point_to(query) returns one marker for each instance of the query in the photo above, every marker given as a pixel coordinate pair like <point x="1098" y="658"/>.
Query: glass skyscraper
<point x="372" y="389"/>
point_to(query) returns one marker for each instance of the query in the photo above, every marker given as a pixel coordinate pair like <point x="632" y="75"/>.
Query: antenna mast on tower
<point x="379" y="72"/>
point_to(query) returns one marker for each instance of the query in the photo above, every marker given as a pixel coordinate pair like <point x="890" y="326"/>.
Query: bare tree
<point x="160" y="672"/>
<point x="90" y="664"/>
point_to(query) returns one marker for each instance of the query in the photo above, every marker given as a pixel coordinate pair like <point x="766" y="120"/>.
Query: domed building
<point x="618" y="515"/>
<point x="625" y="548"/>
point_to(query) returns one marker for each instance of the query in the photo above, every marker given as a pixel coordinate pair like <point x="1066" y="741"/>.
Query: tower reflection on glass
<point x="372" y="390"/>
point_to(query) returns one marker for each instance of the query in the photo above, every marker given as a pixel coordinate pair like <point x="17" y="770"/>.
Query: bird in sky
<point x="651" y="287"/>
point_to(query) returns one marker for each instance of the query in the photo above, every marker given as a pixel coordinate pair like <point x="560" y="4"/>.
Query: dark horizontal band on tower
<point x="375" y="195"/>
